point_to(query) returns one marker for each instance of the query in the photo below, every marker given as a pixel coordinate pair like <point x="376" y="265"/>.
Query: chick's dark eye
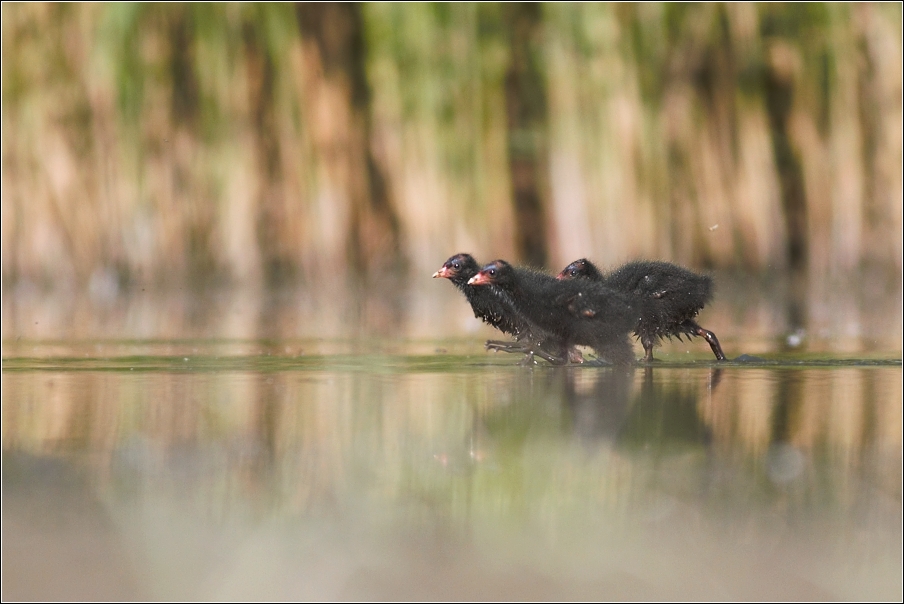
<point x="456" y="265"/>
<point x="492" y="272"/>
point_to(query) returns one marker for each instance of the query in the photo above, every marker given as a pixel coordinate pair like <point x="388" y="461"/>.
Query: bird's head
<point x="579" y="269"/>
<point x="494" y="273"/>
<point x="462" y="266"/>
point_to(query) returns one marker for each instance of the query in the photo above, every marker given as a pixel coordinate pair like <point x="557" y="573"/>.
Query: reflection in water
<point x="375" y="477"/>
<point x="665" y="413"/>
<point x="599" y="402"/>
<point x="784" y="462"/>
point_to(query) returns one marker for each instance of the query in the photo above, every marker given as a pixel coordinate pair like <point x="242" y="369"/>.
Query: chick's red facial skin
<point x="480" y="278"/>
<point x="458" y="269"/>
<point x="491" y="273"/>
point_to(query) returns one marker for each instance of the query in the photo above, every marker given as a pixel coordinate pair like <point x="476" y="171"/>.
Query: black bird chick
<point x="669" y="296"/>
<point x="494" y="310"/>
<point x="573" y="313"/>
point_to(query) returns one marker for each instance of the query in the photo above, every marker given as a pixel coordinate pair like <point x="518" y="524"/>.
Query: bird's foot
<point x="503" y="346"/>
<point x="713" y="342"/>
<point x="549" y="357"/>
<point x="528" y="360"/>
<point x="530" y="351"/>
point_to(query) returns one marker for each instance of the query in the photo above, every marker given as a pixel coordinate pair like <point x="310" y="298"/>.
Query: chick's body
<point x="669" y="298"/>
<point x="496" y="310"/>
<point x="571" y="312"/>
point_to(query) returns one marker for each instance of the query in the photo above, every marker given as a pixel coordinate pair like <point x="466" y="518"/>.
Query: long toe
<point x="503" y="346"/>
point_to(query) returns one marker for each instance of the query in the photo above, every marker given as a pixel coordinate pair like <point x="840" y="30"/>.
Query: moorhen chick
<point x="572" y="312"/>
<point x="670" y="296"/>
<point x="496" y="311"/>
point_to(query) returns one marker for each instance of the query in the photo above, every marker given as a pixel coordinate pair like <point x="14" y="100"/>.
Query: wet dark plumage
<point x="669" y="297"/>
<point x="487" y="306"/>
<point x="495" y="310"/>
<point x="571" y="312"/>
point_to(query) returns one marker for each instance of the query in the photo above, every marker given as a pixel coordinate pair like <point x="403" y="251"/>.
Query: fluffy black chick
<point x="496" y="311"/>
<point x="669" y="298"/>
<point x="573" y="313"/>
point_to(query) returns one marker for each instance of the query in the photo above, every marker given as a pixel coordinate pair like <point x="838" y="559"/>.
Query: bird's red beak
<point x="479" y="279"/>
<point x="443" y="272"/>
<point x="561" y="276"/>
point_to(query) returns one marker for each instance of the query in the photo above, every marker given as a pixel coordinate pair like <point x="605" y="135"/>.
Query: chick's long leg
<point x="710" y="338"/>
<point x="648" y="343"/>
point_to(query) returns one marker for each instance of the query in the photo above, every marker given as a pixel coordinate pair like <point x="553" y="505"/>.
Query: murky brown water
<point x="321" y="445"/>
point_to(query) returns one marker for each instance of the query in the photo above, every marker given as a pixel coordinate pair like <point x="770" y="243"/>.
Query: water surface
<point x="390" y="468"/>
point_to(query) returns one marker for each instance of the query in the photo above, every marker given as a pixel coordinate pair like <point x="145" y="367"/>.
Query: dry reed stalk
<point x="147" y="142"/>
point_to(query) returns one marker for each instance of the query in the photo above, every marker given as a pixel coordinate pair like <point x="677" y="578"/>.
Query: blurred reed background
<point x="161" y="145"/>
